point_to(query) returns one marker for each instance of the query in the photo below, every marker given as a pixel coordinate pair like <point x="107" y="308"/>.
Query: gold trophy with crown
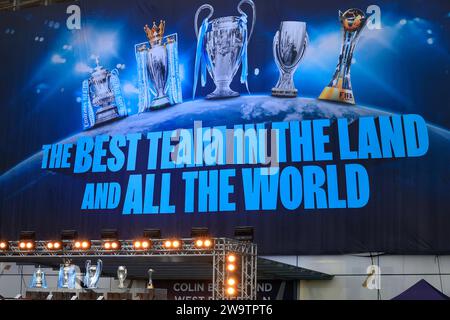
<point x="353" y="22"/>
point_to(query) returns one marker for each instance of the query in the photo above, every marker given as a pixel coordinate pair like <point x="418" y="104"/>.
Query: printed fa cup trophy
<point x="121" y="275"/>
<point x="340" y="89"/>
<point x="38" y="281"/>
<point x="221" y="47"/>
<point x="289" y="46"/>
<point x="102" y="97"/>
<point x="67" y="275"/>
<point x="158" y="69"/>
<point x="92" y="274"/>
<point x="150" y="281"/>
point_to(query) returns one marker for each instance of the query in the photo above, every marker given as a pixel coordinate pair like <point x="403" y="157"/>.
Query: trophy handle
<point x="252" y="4"/>
<point x="202" y="7"/>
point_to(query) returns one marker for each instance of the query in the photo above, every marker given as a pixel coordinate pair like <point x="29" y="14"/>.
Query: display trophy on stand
<point x="353" y="22"/>
<point x="92" y="274"/>
<point x="121" y="276"/>
<point x="150" y="280"/>
<point x="67" y="275"/>
<point x="221" y="48"/>
<point x="102" y="97"/>
<point x="38" y="281"/>
<point x="158" y="69"/>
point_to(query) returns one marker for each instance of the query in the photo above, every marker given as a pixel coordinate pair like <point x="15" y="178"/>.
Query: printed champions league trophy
<point x="102" y="97"/>
<point x="340" y="89"/>
<point x="289" y="46"/>
<point x="221" y="47"/>
<point x="158" y="69"/>
<point x="38" y="280"/>
<point x="92" y="274"/>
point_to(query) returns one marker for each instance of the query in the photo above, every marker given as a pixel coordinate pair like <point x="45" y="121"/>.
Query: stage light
<point x="152" y="234"/>
<point x="199" y="243"/>
<point x="231" y="258"/>
<point x="231" y="291"/>
<point x="26" y="245"/>
<point x="231" y="282"/>
<point x="207" y="243"/>
<point x="54" y="245"/>
<point x="199" y="233"/>
<point x="4" y="245"/>
<point x="141" y="244"/>
<point x="203" y="243"/>
<point x="231" y="267"/>
<point x="172" y="244"/>
<point x="111" y="245"/>
<point x="27" y="240"/>
<point x="69" y="235"/>
<point x="244" y="234"/>
<point x="82" y="245"/>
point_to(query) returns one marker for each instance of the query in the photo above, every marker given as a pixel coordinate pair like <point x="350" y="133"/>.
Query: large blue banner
<point x="324" y="124"/>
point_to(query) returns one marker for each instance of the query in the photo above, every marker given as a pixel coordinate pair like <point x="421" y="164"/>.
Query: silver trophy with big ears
<point x="92" y="274"/>
<point x="289" y="46"/>
<point x="222" y="48"/>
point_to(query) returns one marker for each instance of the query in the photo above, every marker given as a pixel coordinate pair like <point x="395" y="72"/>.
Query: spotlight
<point x="4" y="245"/>
<point x="54" y="245"/>
<point x="27" y="240"/>
<point x="199" y="243"/>
<point x="231" y="291"/>
<point x="203" y="243"/>
<point x="231" y="258"/>
<point x="231" y="267"/>
<point x="82" y="245"/>
<point x="141" y="244"/>
<point x="244" y="234"/>
<point x="172" y="244"/>
<point x="231" y="282"/>
<point x="111" y="245"/>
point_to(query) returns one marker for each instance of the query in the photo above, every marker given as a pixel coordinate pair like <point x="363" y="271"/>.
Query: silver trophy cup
<point x="93" y="274"/>
<point x="39" y="278"/>
<point x="158" y="69"/>
<point x="102" y="95"/>
<point x="224" y="42"/>
<point x="150" y="280"/>
<point x="289" y="46"/>
<point x="121" y="276"/>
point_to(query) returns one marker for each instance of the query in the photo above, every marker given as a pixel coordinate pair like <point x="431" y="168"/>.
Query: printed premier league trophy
<point x="340" y="89"/>
<point x="289" y="46"/>
<point x="38" y="281"/>
<point x="150" y="281"/>
<point x="221" y="47"/>
<point x="121" y="275"/>
<point x="92" y="274"/>
<point x="67" y="275"/>
<point x="158" y="69"/>
<point x="102" y="97"/>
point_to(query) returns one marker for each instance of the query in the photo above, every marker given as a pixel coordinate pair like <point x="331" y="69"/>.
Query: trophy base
<point x="106" y="114"/>
<point x="160" y="103"/>
<point x="338" y="95"/>
<point x="284" y="93"/>
<point x="222" y="94"/>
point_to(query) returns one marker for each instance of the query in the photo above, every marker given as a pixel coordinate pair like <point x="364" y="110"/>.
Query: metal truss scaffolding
<point x="220" y="249"/>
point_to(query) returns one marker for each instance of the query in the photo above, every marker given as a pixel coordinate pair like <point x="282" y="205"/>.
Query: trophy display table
<point x="96" y="294"/>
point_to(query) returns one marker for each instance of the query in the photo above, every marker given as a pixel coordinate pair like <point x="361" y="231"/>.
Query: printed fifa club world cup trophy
<point x="289" y="46"/>
<point x="102" y="97"/>
<point x="221" y="49"/>
<point x="158" y="69"/>
<point x="340" y="89"/>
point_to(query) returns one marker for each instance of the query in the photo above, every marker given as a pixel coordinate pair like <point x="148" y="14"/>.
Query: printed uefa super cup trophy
<point x="38" y="280"/>
<point x="150" y="280"/>
<point x="158" y="63"/>
<point x="92" y="274"/>
<point x="67" y="275"/>
<point x="221" y="48"/>
<point x="121" y="276"/>
<point x="340" y="89"/>
<point x="289" y="46"/>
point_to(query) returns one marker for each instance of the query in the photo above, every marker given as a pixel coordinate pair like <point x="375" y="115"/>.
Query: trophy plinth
<point x="353" y="22"/>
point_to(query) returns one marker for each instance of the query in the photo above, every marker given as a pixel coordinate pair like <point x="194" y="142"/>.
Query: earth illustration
<point x="28" y="191"/>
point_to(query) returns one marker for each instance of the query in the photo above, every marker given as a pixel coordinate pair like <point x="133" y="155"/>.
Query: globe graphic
<point x="403" y="191"/>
